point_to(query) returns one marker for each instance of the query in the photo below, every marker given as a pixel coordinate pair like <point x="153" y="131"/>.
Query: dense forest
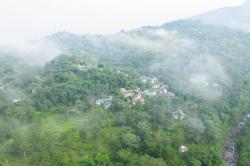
<point x="154" y="96"/>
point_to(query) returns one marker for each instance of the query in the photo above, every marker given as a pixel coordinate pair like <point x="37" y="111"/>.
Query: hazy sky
<point x="26" y="18"/>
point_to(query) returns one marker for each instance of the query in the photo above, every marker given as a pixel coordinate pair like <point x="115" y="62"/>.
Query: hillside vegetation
<point x="161" y="96"/>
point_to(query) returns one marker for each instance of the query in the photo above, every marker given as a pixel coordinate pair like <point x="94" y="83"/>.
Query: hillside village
<point x="176" y="94"/>
<point x="137" y="95"/>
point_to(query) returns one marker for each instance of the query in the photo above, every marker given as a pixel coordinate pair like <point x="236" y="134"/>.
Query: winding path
<point x="230" y="154"/>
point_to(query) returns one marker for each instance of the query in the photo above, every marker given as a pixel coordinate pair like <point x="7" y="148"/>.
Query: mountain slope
<point x="59" y="121"/>
<point x="153" y="49"/>
<point x="231" y="17"/>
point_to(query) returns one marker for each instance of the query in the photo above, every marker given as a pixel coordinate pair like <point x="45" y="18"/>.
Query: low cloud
<point x="33" y="52"/>
<point x="154" y="40"/>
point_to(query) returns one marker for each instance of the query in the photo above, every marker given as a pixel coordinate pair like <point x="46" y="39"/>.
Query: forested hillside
<point x="236" y="17"/>
<point x="165" y="95"/>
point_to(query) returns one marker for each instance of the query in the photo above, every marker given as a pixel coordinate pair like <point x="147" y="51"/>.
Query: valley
<point x="230" y="151"/>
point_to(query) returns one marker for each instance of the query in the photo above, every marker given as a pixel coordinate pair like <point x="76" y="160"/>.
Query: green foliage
<point x="66" y="83"/>
<point x="58" y="123"/>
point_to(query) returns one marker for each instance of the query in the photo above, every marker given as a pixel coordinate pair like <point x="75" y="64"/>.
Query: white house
<point x="105" y="102"/>
<point x="83" y="67"/>
<point x="171" y="94"/>
<point x="127" y="93"/>
<point x="183" y="149"/>
<point x="163" y="89"/>
<point x="150" y="92"/>
<point x="16" y="100"/>
<point x="154" y="80"/>
<point x="179" y="115"/>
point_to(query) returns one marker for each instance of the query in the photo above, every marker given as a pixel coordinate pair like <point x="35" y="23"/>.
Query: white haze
<point x="36" y="18"/>
<point x="156" y="40"/>
<point x="201" y="73"/>
<point x="23" y="21"/>
<point x="34" y="52"/>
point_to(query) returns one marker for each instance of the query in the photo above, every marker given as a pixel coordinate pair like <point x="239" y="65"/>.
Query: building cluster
<point x="106" y="103"/>
<point x="157" y="87"/>
<point x="178" y="115"/>
<point x="138" y="95"/>
<point x="152" y="80"/>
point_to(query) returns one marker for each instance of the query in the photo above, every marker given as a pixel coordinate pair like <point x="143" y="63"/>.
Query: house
<point x="99" y="102"/>
<point x="105" y="102"/>
<point x="150" y="92"/>
<point x="241" y="124"/>
<point x="163" y="89"/>
<point x="171" y="94"/>
<point x="154" y="80"/>
<point x="144" y="79"/>
<point x="183" y="149"/>
<point x="138" y="98"/>
<point x="156" y="86"/>
<point x="83" y="67"/>
<point x="179" y="115"/>
<point x="127" y="93"/>
<point x="16" y="100"/>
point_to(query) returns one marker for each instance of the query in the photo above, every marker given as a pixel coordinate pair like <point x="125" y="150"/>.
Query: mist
<point x="197" y="70"/>
<point x="33" y="52"/>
